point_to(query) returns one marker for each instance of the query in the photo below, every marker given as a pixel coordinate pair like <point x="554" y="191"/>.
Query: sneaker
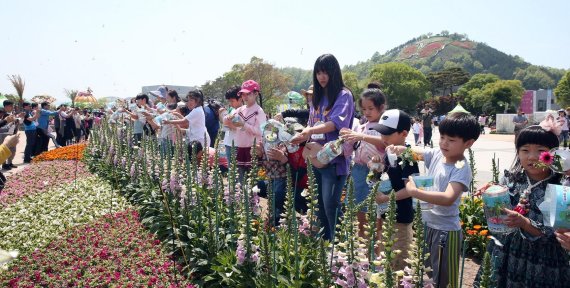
<point x="6" y="167"/>
<point x="13" y="166"/>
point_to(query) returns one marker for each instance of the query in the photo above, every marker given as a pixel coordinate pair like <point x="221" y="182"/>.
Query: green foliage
<point x="487" y="276"/>
<point x="474" y="225"/>
<point x="562" y="91"/>
<point x="351" y="81"/>
<point x="404" y="86"/>
<point x="445" y="80"/>
<point x="301" y="78"/>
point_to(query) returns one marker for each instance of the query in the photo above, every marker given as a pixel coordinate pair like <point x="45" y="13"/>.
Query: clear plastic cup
<point x="425" y="183"/>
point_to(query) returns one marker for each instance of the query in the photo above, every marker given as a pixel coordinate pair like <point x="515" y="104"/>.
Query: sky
<point x="116" y="47"/>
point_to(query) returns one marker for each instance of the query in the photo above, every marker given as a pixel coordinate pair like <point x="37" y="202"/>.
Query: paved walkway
<point x="19" y="158"/>
<point x="500" y="145"/>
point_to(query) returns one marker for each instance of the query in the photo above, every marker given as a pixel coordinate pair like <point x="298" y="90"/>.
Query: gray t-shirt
<point x="138" y="127"/>
<point x="445" y="218"/>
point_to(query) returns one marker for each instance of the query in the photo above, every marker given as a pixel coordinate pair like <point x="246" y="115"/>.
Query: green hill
<point x="436" y="52"/>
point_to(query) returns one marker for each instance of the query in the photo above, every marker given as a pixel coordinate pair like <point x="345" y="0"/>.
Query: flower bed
<point x="34" y="221"/>
<point x="39" y="177"/>
<point x="71" y="152"/>
<point x="463" y="44"/>
<point x="409" y="51"/>
<point x="431" y="49"/>
<point x="115" y="250"/>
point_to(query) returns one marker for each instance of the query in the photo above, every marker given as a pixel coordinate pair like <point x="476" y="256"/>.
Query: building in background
<point x="538" y="101"/>
<point x="181" y="90"/>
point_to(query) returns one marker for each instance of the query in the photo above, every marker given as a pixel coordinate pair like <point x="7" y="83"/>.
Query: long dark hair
<point x="196" y="95"/>
<point x="327" y="63"/>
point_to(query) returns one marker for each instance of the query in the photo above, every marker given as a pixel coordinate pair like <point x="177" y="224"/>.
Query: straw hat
<point x="308" y="91"/>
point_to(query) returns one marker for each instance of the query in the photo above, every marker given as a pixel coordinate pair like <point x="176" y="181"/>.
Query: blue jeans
<point x="361" y="188"/>
<point x="563" y="138"/>
<point x="229" y="154"/>
<point x="30" y="145"/>
<point x="279" y="190"/>
<point x="329" y="190"/>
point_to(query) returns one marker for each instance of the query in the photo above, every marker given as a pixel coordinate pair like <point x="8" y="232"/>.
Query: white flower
<point x="460" y="164"/>
<point x="255" y="189"/>
<point x="305" y="193"/>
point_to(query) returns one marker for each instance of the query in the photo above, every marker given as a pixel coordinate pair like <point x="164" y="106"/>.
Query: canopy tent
<point x="458" y="108"/>
<point x="294" y="98"/>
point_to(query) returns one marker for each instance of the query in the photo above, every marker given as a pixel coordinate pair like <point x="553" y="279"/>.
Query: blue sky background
<point x="115" y="47"/>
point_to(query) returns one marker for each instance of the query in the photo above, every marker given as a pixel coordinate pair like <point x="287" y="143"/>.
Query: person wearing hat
<point x="394" y="126"/>
<point x="302" y="115"/>
<point x="246" y="120"/>
<point x="563" y="121"/>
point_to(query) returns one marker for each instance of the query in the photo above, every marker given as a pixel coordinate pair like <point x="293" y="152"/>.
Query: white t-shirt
<point x="197" y="126"/>
<point x="229" y="133"/>
<point x="563" y="122"/>
<point x="416" y="128"/>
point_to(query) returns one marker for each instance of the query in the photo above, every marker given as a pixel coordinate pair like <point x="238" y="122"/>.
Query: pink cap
<point x="249" y="86"/>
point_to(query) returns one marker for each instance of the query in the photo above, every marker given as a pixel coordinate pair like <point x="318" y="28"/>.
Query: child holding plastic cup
<point x="451" y="177"/>
<point x="394" y="126"/>
<point x="530" y="255"/>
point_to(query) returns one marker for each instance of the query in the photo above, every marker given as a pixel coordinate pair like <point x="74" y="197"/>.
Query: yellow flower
<point x="483" y="232"/>
<point x="477" y="227"/>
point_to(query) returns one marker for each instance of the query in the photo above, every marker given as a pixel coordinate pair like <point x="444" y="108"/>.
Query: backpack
<point x="215" y="107"/>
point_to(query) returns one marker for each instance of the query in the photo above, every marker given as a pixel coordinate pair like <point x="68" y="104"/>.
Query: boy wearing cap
<point x="451" y="177"/>
<point x="394" y="126"/>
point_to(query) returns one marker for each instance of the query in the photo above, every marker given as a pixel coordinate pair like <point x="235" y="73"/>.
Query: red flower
<point x="546" y="157"/>
<point x="520" y="210"/>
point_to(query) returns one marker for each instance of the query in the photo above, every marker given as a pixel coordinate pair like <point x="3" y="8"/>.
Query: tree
<point x="217" y="89"/>
<point x="19" y="84"/>
<point x="534" y="78"/>
<point x="71" y="94"/>
<point x="274" y="84"/>
<point x="505" y="95"/>
<point x="404" y="85"/>
<point x="562" y="91"/>
<point x="351" y="81"/>
<point x="447" y="79"/>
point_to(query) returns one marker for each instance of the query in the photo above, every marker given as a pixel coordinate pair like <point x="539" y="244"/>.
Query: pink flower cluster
<point x="113" y="251"/>
<point x="39" y="177"/>
<point x="350" y="274"/>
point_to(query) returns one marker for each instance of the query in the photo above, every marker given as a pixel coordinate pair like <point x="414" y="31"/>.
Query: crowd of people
<point x="71" y="125"/>
<point x="367" y="143"/>
<point x="531" y="256"/>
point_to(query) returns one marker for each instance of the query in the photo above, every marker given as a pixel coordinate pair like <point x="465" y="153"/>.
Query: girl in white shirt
<point x="195" y="121"/>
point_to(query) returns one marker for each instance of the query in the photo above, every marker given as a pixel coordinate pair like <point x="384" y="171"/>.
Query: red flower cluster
<point x="113" y="251"/>
<point x="430" y="49"/>
<point x="409" y="50"/>
<point x="463" y="44"/>
<point x="38" y="177"/>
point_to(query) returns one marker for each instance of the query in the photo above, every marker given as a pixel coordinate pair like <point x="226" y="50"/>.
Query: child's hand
<point x="351" y="136"/>
<point x="411" y="187"/>
<point x="276" y="154"/>
<point x="482" y="189"/>
<point x="398" y="150"/>
<point x="563" y="236"/>
<point x="515" y="219"/>
<point x="259" y="149"/>
<point x="381" y="198"/>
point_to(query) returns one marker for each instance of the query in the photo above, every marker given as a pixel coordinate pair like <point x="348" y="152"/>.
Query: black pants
<point x="427" y="135"/>
<point x="30" y="145"/>
<point x="42" y="141"/>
